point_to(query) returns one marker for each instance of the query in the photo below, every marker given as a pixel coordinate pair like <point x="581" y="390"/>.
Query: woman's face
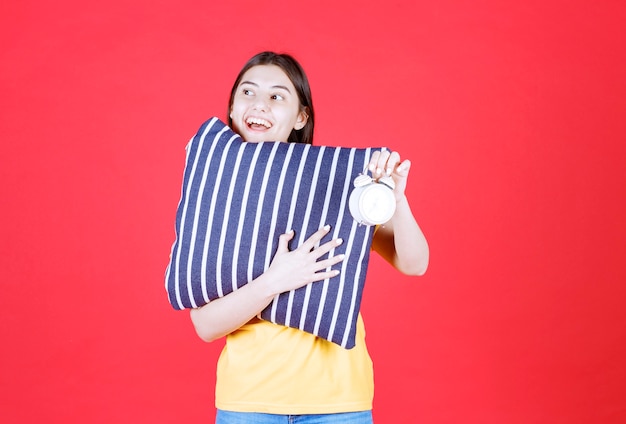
<point x="266" y="106"/>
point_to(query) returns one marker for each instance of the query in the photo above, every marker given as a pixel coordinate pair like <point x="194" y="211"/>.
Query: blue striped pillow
<point x="237" y="198"/>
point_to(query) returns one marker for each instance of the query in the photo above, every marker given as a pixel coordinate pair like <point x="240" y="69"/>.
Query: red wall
<point x="513" y="114"/>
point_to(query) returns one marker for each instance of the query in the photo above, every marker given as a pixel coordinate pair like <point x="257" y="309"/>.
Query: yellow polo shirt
<point x="270" y="368"/>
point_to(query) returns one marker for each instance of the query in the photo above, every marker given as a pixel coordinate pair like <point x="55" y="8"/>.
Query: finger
<point x="315" y="238"/>
<point x="392" y="162"/>
<point x="283" y="242"/>
<point x="403" y="168"/>
<point x="325" y="275"/>
<point x="382" y="161"/>
<point x="373" y="161"/>
<point x="327" y="263"/>
<point x="327" y="247"/>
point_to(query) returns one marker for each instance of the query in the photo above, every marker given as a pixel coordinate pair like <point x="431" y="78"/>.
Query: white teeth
<point x="258" y="121"/>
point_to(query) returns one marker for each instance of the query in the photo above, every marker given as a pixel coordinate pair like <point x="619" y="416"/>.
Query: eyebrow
<point x="274" y="86"/>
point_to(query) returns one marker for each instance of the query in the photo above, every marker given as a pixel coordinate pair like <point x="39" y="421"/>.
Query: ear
<point x="303" y="118"/>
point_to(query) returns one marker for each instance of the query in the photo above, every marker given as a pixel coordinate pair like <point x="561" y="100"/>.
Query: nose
<point x="260" y="104"/>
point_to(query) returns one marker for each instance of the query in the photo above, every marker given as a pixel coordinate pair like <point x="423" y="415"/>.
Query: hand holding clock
<point x="400" y="241"/>
<point x="388" y="163"/>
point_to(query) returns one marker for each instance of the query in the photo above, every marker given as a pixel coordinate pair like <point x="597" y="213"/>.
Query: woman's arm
<point x="399" y="241"/>
<point x="289" y="270"/>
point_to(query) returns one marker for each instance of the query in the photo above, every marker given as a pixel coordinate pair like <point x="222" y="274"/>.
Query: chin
<point x="255" y="138"/>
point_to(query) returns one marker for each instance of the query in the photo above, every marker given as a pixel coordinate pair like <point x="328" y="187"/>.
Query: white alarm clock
<point x="372" y="202"/>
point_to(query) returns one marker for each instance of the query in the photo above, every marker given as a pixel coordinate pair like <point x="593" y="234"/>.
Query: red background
<point x="513" y="113"/>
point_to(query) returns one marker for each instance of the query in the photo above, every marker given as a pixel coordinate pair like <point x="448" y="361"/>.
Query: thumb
<point x="283" y="242"/>
<point x="403" y="168"/>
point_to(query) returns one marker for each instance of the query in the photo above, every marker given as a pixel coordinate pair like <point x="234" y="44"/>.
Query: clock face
<point x="373" y="204"/>
<point x="377" y="203"/>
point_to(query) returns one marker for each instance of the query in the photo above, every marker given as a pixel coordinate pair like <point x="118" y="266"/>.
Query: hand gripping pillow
<point x="238" y="198"/>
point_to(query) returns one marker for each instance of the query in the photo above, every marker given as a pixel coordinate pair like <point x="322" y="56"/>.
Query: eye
<point x="277" y="97"/>
<point x="247" y="92"/>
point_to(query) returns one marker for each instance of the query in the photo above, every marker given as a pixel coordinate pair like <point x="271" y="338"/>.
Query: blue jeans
<point x="228" y="417"/>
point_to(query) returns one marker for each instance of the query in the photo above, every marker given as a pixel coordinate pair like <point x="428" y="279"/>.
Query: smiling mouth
<point x="258" y="124"/>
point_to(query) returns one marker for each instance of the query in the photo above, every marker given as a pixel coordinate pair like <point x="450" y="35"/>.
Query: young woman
<point x="268" y="372"/>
